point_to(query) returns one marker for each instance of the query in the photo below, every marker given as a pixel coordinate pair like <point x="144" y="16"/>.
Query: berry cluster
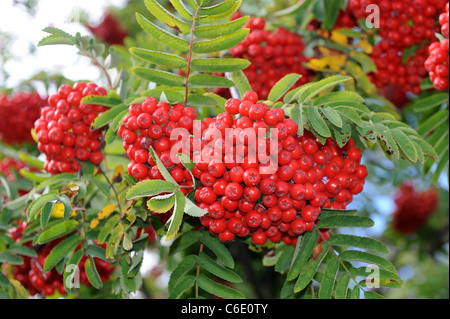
<point x="413" y="208"/>
<point x="273" y="55"/>
<point x="394" y="78"/>
<point x="8" y="167"/>
<point x="277" y="194"/>
<point x="109" y="30"/>
<point x="403" y="22"/>
<point x="17" y="115"/>
<point x="437" y="64"/>
<point x="443" y="21"/>
<point x="32" y="276"/>
<point x="403" y="25"/>
<point x="150" y="124"/>
<point x="64" y="129"/>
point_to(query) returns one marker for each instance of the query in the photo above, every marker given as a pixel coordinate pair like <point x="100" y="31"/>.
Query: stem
<point x="86" y="53"/>
<point x="198" y="273"/>
<point x="112" y="187"/>
<point x="191" y="45"/>
<point x="339" y="259"/>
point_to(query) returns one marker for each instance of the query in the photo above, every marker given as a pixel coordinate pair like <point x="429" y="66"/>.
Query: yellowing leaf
<point x="317" y="64"/>
<point x="94" y="223"/>
<point x="118" y="173"/>
<point x="58" y="211"/>
<point x="339" y="38"/>
<point x="106" y="211"/>
<point x="365" y="46"/>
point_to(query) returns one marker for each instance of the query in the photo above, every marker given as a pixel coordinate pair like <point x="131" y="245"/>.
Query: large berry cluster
<point x="277" y="194"/>
<point x="272" y="54"/>
<point x="17" y="115"/>
<point x="395" y="78"/>
<point x="403" y="22"/>
<point x="437" y="64"/>
<point x="150" y="124"/>
<point x="9" y="166"/>
<point x="64" y="129"/>
<point x="413" y="208"/>
<point x="32" y="276"/>
<point x="109" y="30"/>
<point x="443" y="20"/>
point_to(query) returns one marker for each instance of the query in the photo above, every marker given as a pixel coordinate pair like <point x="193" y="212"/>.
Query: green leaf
<point x="97" y="252"/>
<point x="433" y="122"/>
<point x="182" y="285"/>
<point x="92" y="273"/>
<point x="308" y="272"/>
<point x="332" y="116"/>
<point x="340" y="289"/>
<point x="162" y="169"/>
<point x="209" y="81"/>
<point x="214" y="31"/>
<point x="345" y="221"/>
<point x="161" y="203"/>
<point x="53" y="180"/>
<point x="55" y="39"/>
<point x="31" y="160"/>
<point x="218" y="8"/>
<point x="160" y="58"/>
<point x="150" y="188"/>
<point x="182" y="9"/>
<point x="426" y="148"/>
<point x="299" y="6"/>
<point x="193" y="210"/>
<point x="23" y="251"/>
<point x="4" y="281"/>
<point x="162" y="35"/>
<point x="358" y="241"/>
<point x="220" y="16"/>
<point x="8" y="258"/>
<point x="183" y="268"/>
<point x="220" y="65"/>
<point x="107" y="228"/>
<point x="329" y="279"/>
<point x="430" y="102"/>
<point x="46" y="213"/>
<point x="57" y="231"/>
<point x="217" y="289"/>
<point x="405" y="144"/>
<point x="315" y="88"/>
<point x="305" y="250"/>
<point x="366" y="257"/>
<point x="165" y="16"/>
<point x="62" y="250"/>
<point x="108" y="116"/>
<point x="221" y="43"/>
<point x="387" y="140"/>
<point x="364" y="60"/>
<point x="158" y="76"/>
<point x="38" y="203"/>
<point x="338" y="97"/>
<point x="284" y="260"/>
<point x="110" y="100"/>
<point x="241" y="82"/>
<point x="218" y="248"/>
<point x="331" y="14"/>
<point x="67" y="205"/>
<point x="317" y="122"/>
<point x="372" y="295"/>
<point x="177" y="217"/>
<point x="350" y="114"/>
<point x="283" y="86"/>
<point x="217" y="270"/>
<point x="296" y="114"/>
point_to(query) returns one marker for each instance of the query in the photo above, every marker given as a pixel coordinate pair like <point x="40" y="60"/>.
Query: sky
<point x="26" y="32"/>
